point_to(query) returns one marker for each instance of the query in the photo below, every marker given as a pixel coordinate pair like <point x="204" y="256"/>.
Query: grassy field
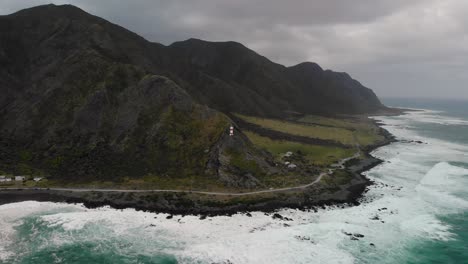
<point x="365" y="131"/>
<point x="338" y="134"/>
<point x="316" y="155"/>
<point x="351" y="131"/>
<point x="351" y="123"/>
<point x="346" y="131"/>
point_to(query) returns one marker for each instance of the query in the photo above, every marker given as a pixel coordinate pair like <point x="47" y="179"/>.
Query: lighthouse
<point x="231" y="131"/>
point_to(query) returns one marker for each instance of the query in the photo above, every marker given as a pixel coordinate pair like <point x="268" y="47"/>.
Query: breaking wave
<point x="415" y="186"/>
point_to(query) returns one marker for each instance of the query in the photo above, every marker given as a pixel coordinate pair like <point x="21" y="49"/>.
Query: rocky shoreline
<point x="317" y="195"/>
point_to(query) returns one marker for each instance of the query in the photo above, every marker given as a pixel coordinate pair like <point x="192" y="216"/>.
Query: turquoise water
<point x="89" y="245"/>
<point x="417" y="212"/>
<point x="448" y="123"/>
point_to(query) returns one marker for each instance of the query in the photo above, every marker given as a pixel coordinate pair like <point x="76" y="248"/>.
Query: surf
<point x="416" y="188"/>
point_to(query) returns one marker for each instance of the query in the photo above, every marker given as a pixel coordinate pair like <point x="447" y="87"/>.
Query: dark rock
<point x="277" y="216"/>
<point x="303" y="238"/>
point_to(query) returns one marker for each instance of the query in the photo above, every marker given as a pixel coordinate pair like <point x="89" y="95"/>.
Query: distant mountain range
<point x="83" y="98"/>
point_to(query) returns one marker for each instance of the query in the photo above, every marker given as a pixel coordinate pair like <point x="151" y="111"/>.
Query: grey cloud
<point x="397" y="47"/>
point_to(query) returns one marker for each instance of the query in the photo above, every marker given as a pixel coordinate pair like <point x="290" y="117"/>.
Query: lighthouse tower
<point x="231" y="131"/>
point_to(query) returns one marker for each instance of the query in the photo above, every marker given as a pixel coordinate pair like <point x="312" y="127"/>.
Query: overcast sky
<point x="416" y="48"/>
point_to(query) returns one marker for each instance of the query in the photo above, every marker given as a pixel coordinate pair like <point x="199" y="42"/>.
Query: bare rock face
<point x="238" y="163"/>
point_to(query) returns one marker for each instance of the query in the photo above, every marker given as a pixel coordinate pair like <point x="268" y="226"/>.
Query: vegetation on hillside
<point x="346" y="131"/>
<point x="85" y="101"/>
<point x="316" y="155"/>
<point x="366" y="131"/>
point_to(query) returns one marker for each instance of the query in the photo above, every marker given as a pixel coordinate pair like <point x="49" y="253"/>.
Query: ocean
<point x="416" y="212"/>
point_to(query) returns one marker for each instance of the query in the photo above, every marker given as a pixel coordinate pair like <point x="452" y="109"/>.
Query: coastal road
<point x="334" y="166"/>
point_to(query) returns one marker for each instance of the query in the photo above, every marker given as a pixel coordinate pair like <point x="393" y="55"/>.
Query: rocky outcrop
<point x="238" y="163"/>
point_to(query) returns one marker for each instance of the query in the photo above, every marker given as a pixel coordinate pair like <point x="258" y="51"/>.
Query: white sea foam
<point x="426" y="226"/>
<point x="433" y="117"/>
<point x="444" y="174"/>
<point x="416" y="184"/>
<point x="11" y="216"/>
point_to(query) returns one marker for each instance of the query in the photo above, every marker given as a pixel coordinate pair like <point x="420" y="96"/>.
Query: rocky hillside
<point x="230" y="77"/>
<point x="226" y="76"/>
<point x="78" y="104"/>
<point x="85" y="99"/>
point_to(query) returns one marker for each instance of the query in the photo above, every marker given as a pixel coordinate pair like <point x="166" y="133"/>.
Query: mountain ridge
<point x="85" y="98"/>
<point x="267" y="88"/>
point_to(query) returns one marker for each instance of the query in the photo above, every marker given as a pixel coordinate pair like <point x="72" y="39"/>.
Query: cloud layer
<point x="415" y="48"/>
